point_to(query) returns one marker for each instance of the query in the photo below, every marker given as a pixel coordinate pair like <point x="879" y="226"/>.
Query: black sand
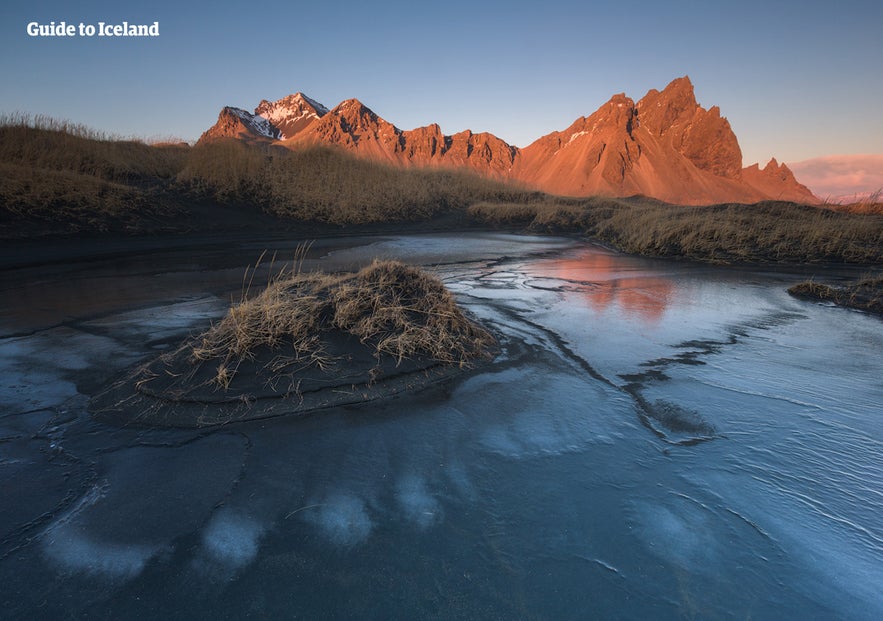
<point x="174" y="391"/>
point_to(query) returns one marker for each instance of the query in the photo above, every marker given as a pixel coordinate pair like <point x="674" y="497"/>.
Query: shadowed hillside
<point x="59" y="179"/>
<point x="325" y="184"/>
<point x="67" y="178"/>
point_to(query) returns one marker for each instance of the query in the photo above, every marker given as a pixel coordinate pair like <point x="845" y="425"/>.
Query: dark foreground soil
<point x="173" y="391"/>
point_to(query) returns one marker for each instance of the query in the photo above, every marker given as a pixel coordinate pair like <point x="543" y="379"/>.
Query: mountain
<point x="238" y="123"/>
<point x="665" y="146"/>
<point x="773" y="178"/>
<point x="356" y="128"/>
<point x="276" y="120"/>
<point x="290" y="114"/>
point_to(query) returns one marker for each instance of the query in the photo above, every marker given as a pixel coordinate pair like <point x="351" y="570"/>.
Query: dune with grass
<point x="308" y="341"/>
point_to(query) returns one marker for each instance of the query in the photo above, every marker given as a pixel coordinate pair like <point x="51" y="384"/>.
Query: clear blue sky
<point x="796" y="79"/>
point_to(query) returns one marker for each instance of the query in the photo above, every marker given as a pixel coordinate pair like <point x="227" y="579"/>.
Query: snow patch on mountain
<point x="289" y="114"/>
<point x="322" y="110"/>
<point x="575" y="136"/>
<point x="257" y="123"/>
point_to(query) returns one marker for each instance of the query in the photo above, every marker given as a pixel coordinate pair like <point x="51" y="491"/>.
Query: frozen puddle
<point x="655" y="440"/>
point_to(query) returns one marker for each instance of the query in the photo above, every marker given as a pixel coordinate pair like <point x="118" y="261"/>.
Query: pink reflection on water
<point x="613" y="282"/>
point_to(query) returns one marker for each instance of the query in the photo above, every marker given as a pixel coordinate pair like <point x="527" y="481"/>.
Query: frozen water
<point x="74" y="551"/>
<point x="683" y="533"/>
<point x="159" y="323"/>
<point x="441" y="249"/>
<point x="655" y="440"/>
<point x="50" y="359"/>
<point x="231" y="538"/>
<point x="342" y="518"/>
<point x="417" y="503"/>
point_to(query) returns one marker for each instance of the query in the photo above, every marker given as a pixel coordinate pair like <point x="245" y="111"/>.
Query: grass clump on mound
<point x="394" y="309"/>
<point x="866" y="294"/>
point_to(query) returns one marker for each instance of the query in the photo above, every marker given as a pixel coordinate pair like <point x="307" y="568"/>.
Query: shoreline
<point x="44" y="250"/>
<point x="864" y="295"/>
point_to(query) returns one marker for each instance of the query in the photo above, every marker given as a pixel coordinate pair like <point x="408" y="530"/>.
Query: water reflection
<point x="609" y="282"/>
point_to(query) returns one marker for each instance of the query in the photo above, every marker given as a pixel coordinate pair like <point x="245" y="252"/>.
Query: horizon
<point x="515" y="70"/>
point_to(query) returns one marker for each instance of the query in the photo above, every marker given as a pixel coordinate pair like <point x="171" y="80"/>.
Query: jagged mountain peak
<point x="301" y="98"/>
<point x="238" y="123"/>
<point x="777" y="181"/>
<point x="619" y="109"/>
<point x="295" y="100"/>
<point x="682" y="86"/>
<point x="354" y="116"/>
<point x="678" y="90"/>
<point x="702" y="136"/>
<point x="661" y="110"/>
<point x="353" y="106"/>
<point x="620" y="100"/>
<point x="666" y="146"/>
<point x="291" y="114"/>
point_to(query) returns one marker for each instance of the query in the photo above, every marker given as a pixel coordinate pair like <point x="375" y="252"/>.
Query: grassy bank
<point x="57" y="177"/>
<point x="323" y="184"/>
<point x="718" y="233"/>
<point x="63" y="178"/>
<point x="866" y="294"/>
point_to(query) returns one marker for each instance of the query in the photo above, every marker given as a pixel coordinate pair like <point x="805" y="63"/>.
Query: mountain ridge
<point x="665" y="146"/>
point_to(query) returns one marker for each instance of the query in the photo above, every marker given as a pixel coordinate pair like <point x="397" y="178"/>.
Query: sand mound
<point x="308" y="341"/>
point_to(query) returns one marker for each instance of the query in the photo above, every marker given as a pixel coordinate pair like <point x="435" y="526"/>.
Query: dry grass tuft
<point x="865" y="294"/>
<point x="405" y="312"/>
<point x="396" y="310"/>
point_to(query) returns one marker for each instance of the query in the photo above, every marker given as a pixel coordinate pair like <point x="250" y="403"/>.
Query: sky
<point x="843" y="178"/>
<point x="797" y="79"/>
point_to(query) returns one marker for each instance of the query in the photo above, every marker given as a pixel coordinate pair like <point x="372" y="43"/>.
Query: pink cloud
<point x="834" y="177"/>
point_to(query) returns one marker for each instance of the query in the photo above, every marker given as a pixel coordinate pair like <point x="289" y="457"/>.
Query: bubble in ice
<point x="74" y="551"/>
<point x="231" y="538"/>
<point x="342" y="518"/>
<point x="683" y="533"/>
<point x="417" y="503"/>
